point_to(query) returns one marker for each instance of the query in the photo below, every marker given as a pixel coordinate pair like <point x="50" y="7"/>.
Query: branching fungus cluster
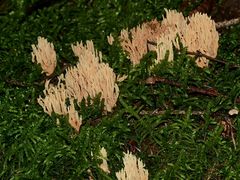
<point x="197" y="33"/>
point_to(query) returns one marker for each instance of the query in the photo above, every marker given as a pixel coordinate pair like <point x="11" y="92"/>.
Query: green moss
<point x="171" y="145"/>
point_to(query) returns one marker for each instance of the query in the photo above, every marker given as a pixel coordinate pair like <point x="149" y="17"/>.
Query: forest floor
<point x="180" y="125"/>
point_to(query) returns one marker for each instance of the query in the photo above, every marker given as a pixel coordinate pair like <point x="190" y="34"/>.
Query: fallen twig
<point x="16" y="83"/>
<point x="227" y="23"/>
<point x="228" y="130"/>
<point x="173" y="112"/>
<point x="200" y="54"/>
<point x="210" y="91"/>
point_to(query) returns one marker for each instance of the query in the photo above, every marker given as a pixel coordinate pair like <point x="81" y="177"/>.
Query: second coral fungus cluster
<point x="197" y="33"/>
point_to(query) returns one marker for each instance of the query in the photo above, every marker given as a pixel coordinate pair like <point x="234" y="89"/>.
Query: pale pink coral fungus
<point x="197" y="33"/>
<point x="45" y="55"/>
<point x="87" y="79"/>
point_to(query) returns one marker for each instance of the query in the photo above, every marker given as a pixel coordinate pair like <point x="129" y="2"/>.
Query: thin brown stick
<point x="192" y="89"/>
<point x="233" y="140"/>
<point x="200" y="54"/>
<point x="210" y="91"/>
<point x="53" y="78"/>
<point x="227" y="23"/>
<point x="16" y="83"/>
<point x="173" y="112"/>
